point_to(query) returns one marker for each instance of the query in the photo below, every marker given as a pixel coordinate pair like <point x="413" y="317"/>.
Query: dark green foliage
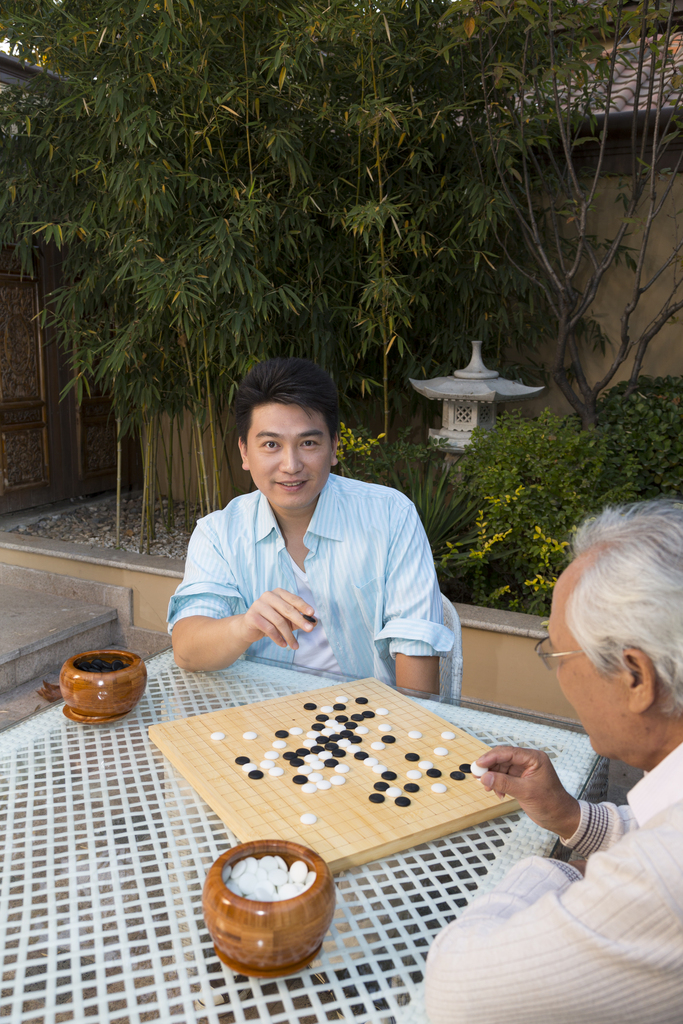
<point x="649" y="426"/>
<point x="533" y="482"/>
<point x="233" y="180"/>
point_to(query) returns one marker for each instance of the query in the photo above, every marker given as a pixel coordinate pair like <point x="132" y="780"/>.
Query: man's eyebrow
<point x="304" y="433"/>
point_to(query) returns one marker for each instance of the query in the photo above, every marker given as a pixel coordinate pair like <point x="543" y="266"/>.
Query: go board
<point x="350" y="827"/>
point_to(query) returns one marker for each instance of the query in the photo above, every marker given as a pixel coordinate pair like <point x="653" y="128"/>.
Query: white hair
<point x="630" y="594"/>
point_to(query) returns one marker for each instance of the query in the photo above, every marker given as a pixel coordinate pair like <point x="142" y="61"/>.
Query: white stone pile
<point x="268" y="879"/>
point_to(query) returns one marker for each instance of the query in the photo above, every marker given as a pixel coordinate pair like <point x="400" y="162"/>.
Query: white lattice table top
<point x="106" y="847"/>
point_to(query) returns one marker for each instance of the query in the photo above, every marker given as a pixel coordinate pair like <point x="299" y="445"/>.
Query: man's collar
<point x="324" y="523"/>
<point x="658" y="789"/>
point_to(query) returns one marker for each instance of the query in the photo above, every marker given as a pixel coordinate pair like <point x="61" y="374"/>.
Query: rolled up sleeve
<point x="413" y="606"/>
<point x="209" y="586"/>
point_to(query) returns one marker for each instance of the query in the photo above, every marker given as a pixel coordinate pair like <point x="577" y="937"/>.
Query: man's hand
<point x="276" y="614"/>
<point x="529" y="777"/>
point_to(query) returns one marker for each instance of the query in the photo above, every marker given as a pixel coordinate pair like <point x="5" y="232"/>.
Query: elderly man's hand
<point x="529" y="777"/>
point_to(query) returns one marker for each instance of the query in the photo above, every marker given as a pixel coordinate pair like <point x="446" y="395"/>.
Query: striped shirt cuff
<point x="594" y="827"/>
<point x="413" y="648"/>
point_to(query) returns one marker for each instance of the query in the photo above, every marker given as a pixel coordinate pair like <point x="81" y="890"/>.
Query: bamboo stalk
<point x="217" y="498"/>
<point x="144" y="485"/>
<point x="118" y="481"/>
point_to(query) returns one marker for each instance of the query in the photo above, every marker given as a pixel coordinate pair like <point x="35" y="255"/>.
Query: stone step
<point x="40" y="630"/>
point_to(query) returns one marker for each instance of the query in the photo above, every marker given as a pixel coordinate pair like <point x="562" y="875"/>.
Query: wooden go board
<point x="350" y="829"/>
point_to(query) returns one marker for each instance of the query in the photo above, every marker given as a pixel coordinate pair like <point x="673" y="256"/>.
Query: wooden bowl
<point x="95" y="698"/>
<point x="268" y="940"/>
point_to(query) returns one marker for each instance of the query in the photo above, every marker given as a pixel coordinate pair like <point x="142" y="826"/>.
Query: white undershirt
<point x="314" y="648"/>
<point x="658" y="789"/>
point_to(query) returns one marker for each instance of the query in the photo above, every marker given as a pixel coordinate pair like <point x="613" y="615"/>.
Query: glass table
<point x="105" y="848"/>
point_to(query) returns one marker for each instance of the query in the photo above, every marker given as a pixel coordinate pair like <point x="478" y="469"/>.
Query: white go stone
<point x="342" y="699"/>
<point x="296" y="731"/>
<point x="310" y="879"/>
<point x="379" y="769"/>
<point x="381" y="711"/>
<point x="298" y="871"/>
<point x="425" y="765"/>
<point x="239" y="868"/>
<point x="328" y="732"/>
<point x="309" y="787"/>
<point x="393" y="791"/>
<point x="323" y="784"/>
<point x="342" y="769"/>
<point x="345" y="742"/>
<point x="279" y="744"/>
<point x="415" y="735"/>
<point x="414" y="774"/>
<point x="447" y="735"/>
<point x="226" y="872"/>
<point x="362" y="730"/>
<point x="248" y="883"/>
<point x="308" y="819"/>
<point x="276" y="772"/>
<point x="370" y="761"/>
<point x="268" y="864"/>
<point x="281" y="864"/>
<point x="249" y="767"/>
<point x="328" y="709"/>
<point x="315" y="777"/>
<point x="271" y="755"/>
<point x="233" y="886"/>
<point x="267" y="764"/>
<point x="441" y="751"/>
<point x="305" y="769"/>
<point x="261" y="873"/>
<point x="477" y="770"/>
<point x="310" y="757"/>
<point x="384" y="727"/>
<point x="337" y="780"/>
<point x="217" y="736"/>
<point x="279" y="875"/>
<point x="378" y="746"/>
<point x="265" y="892"/>
<point x="310" y="736"/>
<point x="439" y="787"/>
<point x="249" y="735"/>
<point x="289" y="889"/>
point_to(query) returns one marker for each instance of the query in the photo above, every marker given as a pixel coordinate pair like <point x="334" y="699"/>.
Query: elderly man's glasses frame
<point x="545" y="655"/>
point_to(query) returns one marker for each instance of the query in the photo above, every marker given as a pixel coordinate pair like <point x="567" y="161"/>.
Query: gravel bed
<point x="96" y="524"/>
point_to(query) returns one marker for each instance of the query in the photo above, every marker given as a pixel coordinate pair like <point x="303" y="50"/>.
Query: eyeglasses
<point x="546" y="655"/>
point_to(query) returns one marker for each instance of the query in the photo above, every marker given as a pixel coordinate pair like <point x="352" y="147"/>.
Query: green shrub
<point x="533" y="481"/>
<point x="649" y="426"/>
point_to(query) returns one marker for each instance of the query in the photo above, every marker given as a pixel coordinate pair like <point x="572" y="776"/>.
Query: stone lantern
<point x="469" y="399"/>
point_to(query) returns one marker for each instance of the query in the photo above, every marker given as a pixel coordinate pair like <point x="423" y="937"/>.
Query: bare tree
<point x="549" y="75"/>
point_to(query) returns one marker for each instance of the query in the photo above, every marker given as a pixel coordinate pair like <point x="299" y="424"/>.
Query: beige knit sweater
<point x="547" y="946"/>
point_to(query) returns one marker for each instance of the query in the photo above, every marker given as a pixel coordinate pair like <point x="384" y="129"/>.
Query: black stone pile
<point x="100" y="665"/>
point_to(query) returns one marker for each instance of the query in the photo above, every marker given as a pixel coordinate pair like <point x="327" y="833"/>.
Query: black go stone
<point x="330" y="762"/>
<point x="117" y="664"/>
<point x="299" y="780"/>
<point x="296" y="762"/>
<point x="330" y="746"/>
<point x="339" y="707"/>
<point x="316" y="749"/>
<point x="360" y="755"/>
<point x="388" y="739"/>
<point x="361" y="700"/>
<point x="411" y="787"/>
<point x="346" y="734"/>
<point x="368" y="714"/>
<point x="256" y="774"/>
<point x="317" y="727"/>
<point x="390" y="776"/>
<point x="377" y="798"/>
<point x="466" y="768"/>
<point x="458" y="775"/>
<point x="339" y="752"/>
<point x="302" y="751"/>
<point x="334" y="737"/>
<point x="433" y="773"/>
<point x="242" y="760"/>
<point x="289" y="755"/>
<point x="356" y="739"/>
<point x="381" y="787"/>
<point x="321" y="718"/>
<point x="341" y="718"/>
<point x="357" y="718"/>
<point x="282" y="734"/>
<point x="412" y="757"/>
<point x="310" y="707"/>
<point x="352" y="725"/>
<point x="402" y="801"/>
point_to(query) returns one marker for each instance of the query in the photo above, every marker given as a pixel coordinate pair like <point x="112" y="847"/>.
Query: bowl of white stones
<point x="267" y="905"/>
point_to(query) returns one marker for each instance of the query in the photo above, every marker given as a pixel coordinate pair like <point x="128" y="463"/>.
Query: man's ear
<point x="640" y="680"/>
<point x="243" y="452"/>
<point x="335" y="445"/>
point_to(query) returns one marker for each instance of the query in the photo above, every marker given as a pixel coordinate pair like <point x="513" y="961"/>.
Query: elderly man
<point x="598" y="940"/>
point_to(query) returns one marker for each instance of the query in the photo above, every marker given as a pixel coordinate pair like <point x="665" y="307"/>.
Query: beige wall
<point x="504" y="669"/>
<point x="665" y="353"/>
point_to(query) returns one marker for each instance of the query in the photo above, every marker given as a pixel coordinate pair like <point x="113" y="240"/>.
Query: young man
<point x="312" y="570"/>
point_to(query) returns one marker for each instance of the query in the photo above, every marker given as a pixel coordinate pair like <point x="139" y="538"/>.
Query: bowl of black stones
<point x="99" y="687"/>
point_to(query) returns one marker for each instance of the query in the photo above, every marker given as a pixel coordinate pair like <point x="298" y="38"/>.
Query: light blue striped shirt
<point x="369" y="567"/>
